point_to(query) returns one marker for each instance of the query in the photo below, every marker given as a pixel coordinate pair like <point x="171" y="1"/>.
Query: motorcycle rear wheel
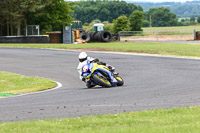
<point x="102" y="82"/>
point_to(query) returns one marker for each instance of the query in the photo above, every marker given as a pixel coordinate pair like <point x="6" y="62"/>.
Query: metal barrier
<point x="24" y="39"/>
<point x="156" y="35"/>
<point x="32" y="30"/>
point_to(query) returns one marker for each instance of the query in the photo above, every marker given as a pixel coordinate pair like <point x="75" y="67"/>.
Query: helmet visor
<point x="81" y="60"/>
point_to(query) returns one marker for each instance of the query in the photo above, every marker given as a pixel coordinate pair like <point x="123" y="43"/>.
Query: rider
<point x="84" y="59"/>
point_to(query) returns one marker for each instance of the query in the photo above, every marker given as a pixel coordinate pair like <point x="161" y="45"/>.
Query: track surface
<point x="150" y="83"/>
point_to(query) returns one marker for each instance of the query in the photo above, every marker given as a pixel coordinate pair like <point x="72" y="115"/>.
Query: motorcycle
<point x="101" y="75"/>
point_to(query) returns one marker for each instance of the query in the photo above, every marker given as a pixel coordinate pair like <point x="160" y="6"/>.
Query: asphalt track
<point x="150" y="83"/>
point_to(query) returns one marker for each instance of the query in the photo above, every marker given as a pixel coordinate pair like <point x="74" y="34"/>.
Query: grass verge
<point x="189" y="50"/>
<point x="156" y="121"/>
<point x="12" y="84"/>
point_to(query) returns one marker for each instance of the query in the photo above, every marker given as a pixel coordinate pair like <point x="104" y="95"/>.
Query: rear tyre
<point x="102" y="81"/>
<point x="120" y="81"/>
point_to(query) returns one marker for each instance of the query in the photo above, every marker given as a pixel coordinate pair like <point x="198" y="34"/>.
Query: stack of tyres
<point x="91" y="34"/>
<point x="99" y="36"/>
<point x="102" y="36"/>
<point x="85" y="36"/>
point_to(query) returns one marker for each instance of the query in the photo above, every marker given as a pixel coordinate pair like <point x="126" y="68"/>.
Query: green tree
<point x="57" y="14"/>
<point x="4" y="15"/>
<point x="23" y="7"/>
<point x="185" y="9"/>
<point x="182" y="20"/>
<point x="145" y="23"/>
<point x="136" y="19"/>
<point x="13" y="12"/>
<point x="109" y="27"/>
<point x="139" y="8"/>
<point x="121" y="24"/>
<point x="54" y="16"/>
<point x="161" y="17"/>
<point x="192" y="19"/>
<point x="87" y="11"/>
<point x="198" y="19"/>
<point x="94" y="22"/>
<point x="16" y="14"/>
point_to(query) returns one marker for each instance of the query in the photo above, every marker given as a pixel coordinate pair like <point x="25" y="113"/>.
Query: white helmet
<point x="82" y="56"/>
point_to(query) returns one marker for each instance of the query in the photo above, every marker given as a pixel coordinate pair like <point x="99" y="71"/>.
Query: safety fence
<point x="32" y="30"/>
<point x="169" y="35"/>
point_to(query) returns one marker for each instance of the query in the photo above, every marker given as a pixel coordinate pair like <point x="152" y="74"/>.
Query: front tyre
<point x="101" y="80"/>
<point x="120" y="81"/>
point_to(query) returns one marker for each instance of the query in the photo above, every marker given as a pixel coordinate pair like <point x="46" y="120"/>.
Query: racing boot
<point x="89" y="84"/>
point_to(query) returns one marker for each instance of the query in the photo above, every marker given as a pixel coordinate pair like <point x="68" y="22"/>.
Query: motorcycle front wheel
<point x="120" y="81"/>
<point x="101" y="80"/>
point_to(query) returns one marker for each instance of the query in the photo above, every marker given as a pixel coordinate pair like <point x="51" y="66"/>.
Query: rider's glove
<point x="110" y="67"/>
<point x="83" y="79"/>
<point x="102" y="63"/>
<point x="96" y="60"/>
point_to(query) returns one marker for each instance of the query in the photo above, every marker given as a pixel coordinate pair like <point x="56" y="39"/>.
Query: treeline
<point x="87" y="11"/>
<point x="160" y="17"/>
<point x="54" y="14"/>
<point x="155" y="17"/>
<point x="186" y="9"/>
<point x="91" y="11"/>
<point x="16" y="14"/>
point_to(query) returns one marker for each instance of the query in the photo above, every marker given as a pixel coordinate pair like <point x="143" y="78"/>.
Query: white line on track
<point x="135" y="54"/>
<point x="122" y="53"/>
<point x="150" y="55"/>
<point x="59" y="85"/>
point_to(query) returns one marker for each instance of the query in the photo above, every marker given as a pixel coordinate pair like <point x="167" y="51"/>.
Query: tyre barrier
<point x="99" y="36"/>
<point x="85" y="36"/>
<point x="91" y="34"/>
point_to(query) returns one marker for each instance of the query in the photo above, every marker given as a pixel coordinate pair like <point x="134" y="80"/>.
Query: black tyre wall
<point x="91" y="34"/>
<point x="85" y="36"/>
<point x="101" y="36"/>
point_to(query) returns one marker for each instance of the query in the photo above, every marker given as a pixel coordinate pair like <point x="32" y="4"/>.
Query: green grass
<point x="179" y="120"/>
<point x="189" y="50"/>
<point x="11" y="84"/>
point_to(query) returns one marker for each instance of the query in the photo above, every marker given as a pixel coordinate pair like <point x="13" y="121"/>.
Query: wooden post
<point x="157" y="35"/>
<point x="195" y="35"/>
<point x="118" y="36"/>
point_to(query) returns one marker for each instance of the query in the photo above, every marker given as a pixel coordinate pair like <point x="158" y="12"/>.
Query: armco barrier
<point x="24" y="39"/>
